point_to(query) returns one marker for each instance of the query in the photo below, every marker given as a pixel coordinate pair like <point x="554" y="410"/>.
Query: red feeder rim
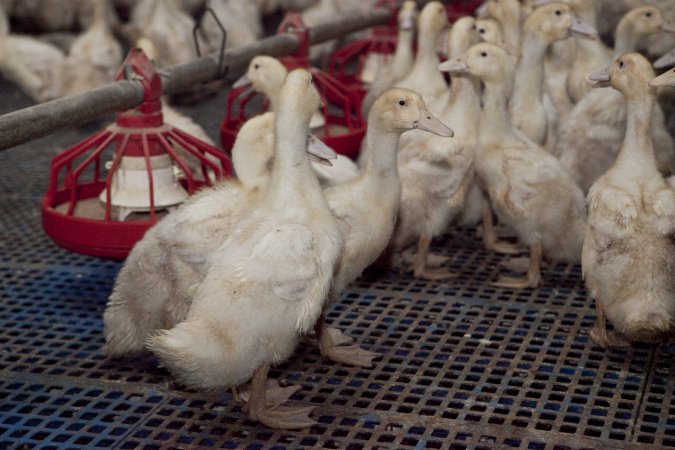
<point x="74" y="214"/>
<point x="344" y="124"/>
<point x="381" y="40"/>
<point x="460" y="8"/>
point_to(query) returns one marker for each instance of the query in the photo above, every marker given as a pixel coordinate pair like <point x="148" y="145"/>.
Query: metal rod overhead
<point x="39" y="120"/>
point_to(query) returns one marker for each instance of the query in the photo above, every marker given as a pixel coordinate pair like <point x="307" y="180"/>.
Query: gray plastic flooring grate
<point x="464" y="365"/>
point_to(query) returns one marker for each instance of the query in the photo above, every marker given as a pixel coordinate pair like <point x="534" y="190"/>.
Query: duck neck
<point x="529" y="78"/>
<point x="637" y="149"/>
<point x="403" y="53"/>
<point x="273" y="97"/>
<point x="426" y="49"/>
<point x="510" y="23"/>
<point x="626" y="38"/>
<point x="382" y="163"/>
<point x="291" y="172"/>
<point x="494" y="119"/>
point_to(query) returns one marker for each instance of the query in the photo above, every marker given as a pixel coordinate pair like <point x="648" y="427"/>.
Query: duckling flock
<point x="519" y="141"/>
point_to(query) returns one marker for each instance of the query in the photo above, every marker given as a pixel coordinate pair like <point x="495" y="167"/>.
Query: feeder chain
<point x="222" y="68"/>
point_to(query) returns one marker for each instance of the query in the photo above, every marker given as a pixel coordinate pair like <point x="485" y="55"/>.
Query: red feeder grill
<point x="380" y="43"/>
<point x="343" y="127"/>
<point x="154" y="167"/>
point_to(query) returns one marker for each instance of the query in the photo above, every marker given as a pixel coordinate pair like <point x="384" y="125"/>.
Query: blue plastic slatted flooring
<point x="464" y="365"/>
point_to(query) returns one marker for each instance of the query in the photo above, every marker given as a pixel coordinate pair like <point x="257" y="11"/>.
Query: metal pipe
<point x="39" y="120"/>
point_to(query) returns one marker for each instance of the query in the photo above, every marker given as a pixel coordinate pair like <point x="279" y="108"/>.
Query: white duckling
<point x="547" y="24"/>
<point x="436" y="173"/>
<point x="591" y="136"/>
<point x="665" y="60"/>
<point x="424" y="77"/>
<point x="268" y="281"/>
<point x="401" y="63"/>
<point x="95" y="56"/>
<point x="628" y="258"/>
<point x="174" y="255"/>
<point x="168" y="26"/>
<point x="366" y="207"/>
<point x="36" y="67"/>
<point x="488" y="30"/>
<point x="529" y="190"/>
<point x="266" y="75"/>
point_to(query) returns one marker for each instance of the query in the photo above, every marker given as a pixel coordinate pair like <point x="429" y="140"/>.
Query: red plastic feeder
<point x="461" y="8"/>
<point x="381" y="42"/>
<point x="343" y="124"/>
<point x="152" y="167"/>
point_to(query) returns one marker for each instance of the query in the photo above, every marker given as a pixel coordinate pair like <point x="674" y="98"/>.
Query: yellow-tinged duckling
<point x="424" y="77"/>
<point x="38" y="68"/>
<point x="154" y="287"/>
<point x="547" y="24"/>
<point x="268" y="281"/>
<point x="529" y="190"/>
<point x="591" y="136"/>
<point x="436" y="173"/>
<point x="366" y="207"/>
<point x="628" y="258"/>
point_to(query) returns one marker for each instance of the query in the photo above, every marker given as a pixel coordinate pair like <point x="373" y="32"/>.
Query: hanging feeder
<point x="107" y="190"/>
<point x="356" y="63"/>
<point x="341" y="125"/>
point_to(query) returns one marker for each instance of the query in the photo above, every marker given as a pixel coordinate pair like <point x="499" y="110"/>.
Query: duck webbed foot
<point x="275" y="415"/>
<point x="433" y="260"/>
<point x="424" y="259"/>
<point x="332" y="345"/>
<point x="533" y="277"/>
<point x="274" y="393"/>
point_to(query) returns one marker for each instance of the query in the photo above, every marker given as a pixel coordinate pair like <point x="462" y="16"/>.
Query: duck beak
<point x="457" y="65"/>
<point x="319" y="152"/>
<point x="243" y="81"/>
<point x="666" y="60"/>
<point x="668" y="27"/>
<point x="665" y="79"/>
<point x="582" y="29"/>
<point x="482" y="10"/>
<point x="429" y="122"/>
<point x="600" y="78"/>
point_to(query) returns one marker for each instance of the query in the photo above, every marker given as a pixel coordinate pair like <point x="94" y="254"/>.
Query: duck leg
<point x="274" y="393"/>
<point x="490" y="236"/>
<point x="420" y="269"/>
<point x="332" y="345"/>
<point x="599" y="332"/>
<point x="533" y="277"/>
<point x="433" y="260"/>
<point x="275" y="416"/>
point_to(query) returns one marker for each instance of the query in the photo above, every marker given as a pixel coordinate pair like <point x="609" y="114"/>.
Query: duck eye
<point x="256" y="66"/>
<point x="483" y="54"/>
<point x="621" y="64"/>
<point x="648" y="14"/>
<point x="481" y="31"/>
<point x="558" y="12"/>
<point x="401" y="102"/>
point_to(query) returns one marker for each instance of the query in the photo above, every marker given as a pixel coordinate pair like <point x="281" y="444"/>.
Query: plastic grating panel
<point x="464" y="365"/>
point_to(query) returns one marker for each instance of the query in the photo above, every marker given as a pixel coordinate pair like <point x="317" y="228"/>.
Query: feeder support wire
<point x="39" y="120"/>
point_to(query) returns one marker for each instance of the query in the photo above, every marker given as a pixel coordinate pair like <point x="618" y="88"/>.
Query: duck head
<point x="501" y="9"/>
<point x="401" y="110"/>
<point x="488" y="62"/>
<point x="265" y="74"/>
<point x="644" y="21"/>
<point x="629" y="74"/>
<point x="433" y="18"/>
<point x="489" y="30"/>
<point x="665" y="79"/>
<point x="462" y="36"/>
<point x="556" y="21"/>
